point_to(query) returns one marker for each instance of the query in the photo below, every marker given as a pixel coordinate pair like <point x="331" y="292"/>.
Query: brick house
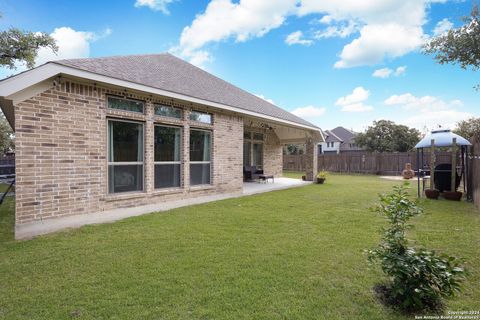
<point x="100" y="134"/>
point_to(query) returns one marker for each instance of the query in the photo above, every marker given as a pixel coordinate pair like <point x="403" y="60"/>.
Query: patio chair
<point x="251" y="173"/>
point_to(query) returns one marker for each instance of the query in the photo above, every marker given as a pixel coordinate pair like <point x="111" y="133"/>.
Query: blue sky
<point x="332" y="62"/>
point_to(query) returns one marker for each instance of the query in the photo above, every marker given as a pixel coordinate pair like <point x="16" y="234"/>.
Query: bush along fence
<point x="364" y="162"/>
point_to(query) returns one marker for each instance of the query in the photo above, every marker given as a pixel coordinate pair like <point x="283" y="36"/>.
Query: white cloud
<point x="426" y="103"/>
<point x="156" y="5"/>
<point x="433" y="119"/>
<point x="382" y="73"/>
<point x="400" y="71"/>
<point x="387" y="72"/>
<point x="359" y="94"/>
<point x="261" y="96"/>
<point x="309" y="112"/>
<point x="341" y="30"/>
<point x="428" y="111"/>
<point x="442" y="27"/>
<point x="296" y="38"/>
<point x="326" y="19"/>
<point x="354" y="102"/>
<point x="224" y="19"/>
<point x="403" y="99"/>
<point x="387" y="29"/>
<point x="377" y="42"/>
<point x="71" y="44"/>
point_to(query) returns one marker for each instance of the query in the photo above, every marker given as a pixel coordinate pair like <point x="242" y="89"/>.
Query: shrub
<point x="418" y="278"/>
<point x="322" y="174"/>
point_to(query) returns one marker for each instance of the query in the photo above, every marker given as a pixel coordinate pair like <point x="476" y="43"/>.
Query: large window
<point x="247" y="153"/>
<point x="125" y="104"/>
<point x="125" y="156"/>
<point x="167" y="156"/>
<point x="257" y="155"/>
<point x="253" y="149"/>
<point x="200" y="154"/>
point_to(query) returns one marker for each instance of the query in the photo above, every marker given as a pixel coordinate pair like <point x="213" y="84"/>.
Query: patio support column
<point x="311" y="159"/>
<point x="149" y="148"/>
<point x="186" y="151"/>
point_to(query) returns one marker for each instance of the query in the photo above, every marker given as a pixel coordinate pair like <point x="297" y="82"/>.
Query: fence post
<point x="453" y="181"/>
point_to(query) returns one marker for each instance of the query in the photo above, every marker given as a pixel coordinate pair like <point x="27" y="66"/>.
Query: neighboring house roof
<point x="330" y="136"/>
<point x="167" y="72"/>
<point x="344" y="134"/>
<point x="162" y="74"/>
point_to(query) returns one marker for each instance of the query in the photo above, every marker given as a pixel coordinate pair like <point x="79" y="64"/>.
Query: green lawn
<point x="290" y="254"/>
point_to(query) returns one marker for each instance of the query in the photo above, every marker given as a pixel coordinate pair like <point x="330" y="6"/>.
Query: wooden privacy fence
<point x="7" y="165"/>
<point x="474" y="172"/>
<point x="364" y="162"/>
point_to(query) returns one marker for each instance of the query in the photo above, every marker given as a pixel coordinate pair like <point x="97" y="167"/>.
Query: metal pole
<point x="418" y="172"/>
<point x="462" y="152"/>
<point x="432" y="163"/>
<point x="453" y="176"/>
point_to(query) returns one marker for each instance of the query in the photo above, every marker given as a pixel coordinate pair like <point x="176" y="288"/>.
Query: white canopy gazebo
<point x="442" y="138"/>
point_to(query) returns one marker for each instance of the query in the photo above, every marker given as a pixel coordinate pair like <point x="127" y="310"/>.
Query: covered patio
<point x="254" y="187"/>
<point x="263" y="144"/>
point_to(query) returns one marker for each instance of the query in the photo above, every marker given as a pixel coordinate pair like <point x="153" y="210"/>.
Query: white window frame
<point x="202" y="162"/>
<point x="123" y="163"/>
<point x="168" y="162"/>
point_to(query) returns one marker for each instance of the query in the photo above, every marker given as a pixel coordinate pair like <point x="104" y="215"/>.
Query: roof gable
<point x="332" y="137"/>
<point x="344" y="134"/>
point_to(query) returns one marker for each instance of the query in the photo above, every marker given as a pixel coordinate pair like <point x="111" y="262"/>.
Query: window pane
<point x="125" y="104"/>
<point x="200" y="145"/>
<point x="246" y="153"/>
<point x="167" y="175"/>
<point x="125" y="141"/>
<point x="168" y="111"/>
<point x="258" y="136"/>
<point x="167" y="143"/>
<point x="201" y="117"/>
<point x="247" y="135"/>
<point x="125" y="178"/>
<point x="199" y="173"/>
<point x="258" y="155"/>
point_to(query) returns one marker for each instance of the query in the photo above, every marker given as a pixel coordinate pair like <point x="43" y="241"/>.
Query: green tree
<point x="469" y="129"/>
<point x="294" y="149"/>
<point x="22" y="46"/>
<point x="458" y="46"/>
<point x="7" y="139"/>
<point x="386" y="136"/>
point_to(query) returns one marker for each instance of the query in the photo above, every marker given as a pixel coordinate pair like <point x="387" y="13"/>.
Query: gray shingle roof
<point x="344" y="134"/>
<point x="167" y="72"/>
<point x="331" y="136"/>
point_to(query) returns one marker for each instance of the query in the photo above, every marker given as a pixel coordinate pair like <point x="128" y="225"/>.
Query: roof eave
<point x="12" y="85"/>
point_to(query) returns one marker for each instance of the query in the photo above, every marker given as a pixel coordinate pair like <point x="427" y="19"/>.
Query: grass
<point x="290" y="254"/>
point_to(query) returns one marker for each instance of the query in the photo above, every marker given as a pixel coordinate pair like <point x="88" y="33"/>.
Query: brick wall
<point x="61" y="148"/>
<point x="273" y="155"/>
